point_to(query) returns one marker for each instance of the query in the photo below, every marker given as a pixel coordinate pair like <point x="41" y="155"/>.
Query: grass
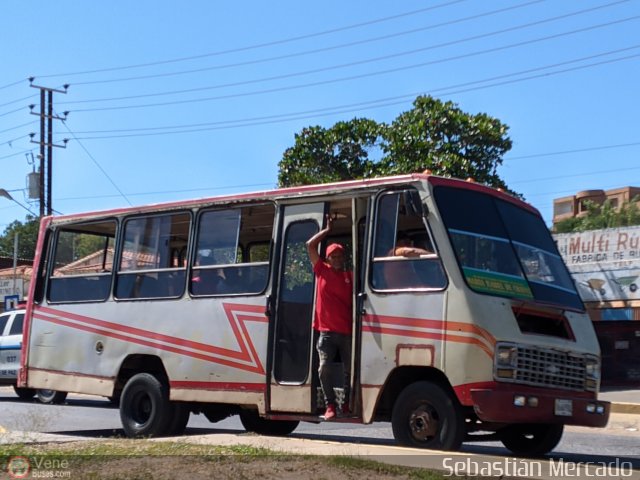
<point x="141" y="459"/>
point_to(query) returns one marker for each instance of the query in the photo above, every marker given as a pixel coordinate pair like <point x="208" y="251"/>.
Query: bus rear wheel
<point x="252" y="422"/>
<point x="534" y="439"/>
<point x="24" y="393"/>
<point x="145" y="409"/>
<point x="51" y="396"/>
<point x="427" y="416"/>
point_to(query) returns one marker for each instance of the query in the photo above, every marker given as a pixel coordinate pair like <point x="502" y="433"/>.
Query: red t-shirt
<point x="334" y="299"/>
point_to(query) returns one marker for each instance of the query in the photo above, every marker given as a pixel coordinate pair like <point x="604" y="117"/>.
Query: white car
<point x="10" y="347"/>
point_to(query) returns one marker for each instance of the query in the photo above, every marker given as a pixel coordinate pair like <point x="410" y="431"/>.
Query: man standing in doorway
<point x="332" y="319"/>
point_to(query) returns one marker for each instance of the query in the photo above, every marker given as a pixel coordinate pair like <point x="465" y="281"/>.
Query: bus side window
<point x="82" y="262"/>
<point x="221" y="265"/>
<point x="147" y="267"/>
<point x="404" y="254"/>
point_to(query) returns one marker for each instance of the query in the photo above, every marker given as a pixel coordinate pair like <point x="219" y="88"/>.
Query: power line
<point x="389" y="101"/>
<point x="11" y="111"/>
<point x="571" y="192"/>
<point x="580" y="150"/>
<point x="255" y="185"/>
<point x="330" y="48"/>
<point x="96" y="163"/>
<point x="12" y="84"/>
<point x="16" y="154"/>
<point x="584" y="174"/>
<point x="10" y="142"/>
<point x="377" y="59"/>
<point x="165" y="192"/>
<point x="19" y="100"/>
<point x="18" y="126"/>
<point x="261" y="45"/>
<point x="334" y="80"/>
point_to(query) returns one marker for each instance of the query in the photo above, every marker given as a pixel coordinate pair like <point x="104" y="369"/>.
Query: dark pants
<point x="329" y="345"/>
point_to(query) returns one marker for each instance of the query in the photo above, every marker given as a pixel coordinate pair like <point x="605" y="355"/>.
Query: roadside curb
<point x="618" y="407"/>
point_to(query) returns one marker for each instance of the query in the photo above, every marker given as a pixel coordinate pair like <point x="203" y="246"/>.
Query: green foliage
<point x="442" y="138"/>
<point x="27" y="238"/>
<point x="433" y="135"/>
<point x="602" y="216"/>
<point x="73" y="246"/>
<point x="567" y="226"/>
<point x="323" y="155"/>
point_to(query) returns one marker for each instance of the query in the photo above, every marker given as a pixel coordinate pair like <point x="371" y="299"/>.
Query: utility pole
<point x="46" y="143"/>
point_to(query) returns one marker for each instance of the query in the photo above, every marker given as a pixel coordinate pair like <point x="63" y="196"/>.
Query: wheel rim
<point x="46" y="394"/>
<point x="423" y="424"/>
<point x="142" y="408"/>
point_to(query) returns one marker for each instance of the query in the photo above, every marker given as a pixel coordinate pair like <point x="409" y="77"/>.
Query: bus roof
<point x="298" y="191"/>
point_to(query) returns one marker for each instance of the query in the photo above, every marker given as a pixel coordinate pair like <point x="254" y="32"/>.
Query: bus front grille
<point x="550" y="368"/>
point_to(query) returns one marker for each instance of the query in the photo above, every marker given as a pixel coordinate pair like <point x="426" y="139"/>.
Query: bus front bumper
<point x="535" y="406"/>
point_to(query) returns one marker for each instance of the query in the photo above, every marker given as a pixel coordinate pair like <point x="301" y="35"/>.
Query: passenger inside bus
<point x="402" y="274"/>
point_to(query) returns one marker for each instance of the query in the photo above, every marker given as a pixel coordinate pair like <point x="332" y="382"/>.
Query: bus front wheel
<point x="534" y="439"/>
<point x="145" y="409"/>
<point x="179" y="418"/>
<point x="427" y="416"/>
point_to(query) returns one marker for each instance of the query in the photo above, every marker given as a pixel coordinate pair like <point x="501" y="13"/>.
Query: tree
<point x="600" y="216"/>
<point x="322" y="155"/>
<point x="440" y="137"/>
<point x="433" y="135"/>
<point x="27" y="238"/>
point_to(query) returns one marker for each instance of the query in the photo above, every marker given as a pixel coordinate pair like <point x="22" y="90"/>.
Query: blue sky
<point x="173" y="100"/>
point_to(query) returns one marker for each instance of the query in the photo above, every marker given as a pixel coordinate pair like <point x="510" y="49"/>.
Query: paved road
<point x="94" y="417"/>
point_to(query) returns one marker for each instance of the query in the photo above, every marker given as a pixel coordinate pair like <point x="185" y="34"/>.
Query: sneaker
<point x="331" y="412"/>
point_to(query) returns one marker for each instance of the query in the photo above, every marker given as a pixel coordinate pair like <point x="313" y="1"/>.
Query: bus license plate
<point x="563" y="407"/>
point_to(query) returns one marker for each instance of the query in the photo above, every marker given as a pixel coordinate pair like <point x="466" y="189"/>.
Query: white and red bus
<point x="206" y="307"/>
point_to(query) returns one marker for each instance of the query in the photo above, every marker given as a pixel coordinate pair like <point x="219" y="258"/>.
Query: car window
<point x="3" y="321"/>
<point x="16" y="326"/>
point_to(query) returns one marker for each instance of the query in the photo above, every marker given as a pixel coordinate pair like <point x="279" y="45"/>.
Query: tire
<point x="24" y="393"/>
<point x="633" y="287"/>
<point x="531" y="440"/>
<point x="426" y="416"/>
<point x="51" y="396"/>
<point x="145" y="409"/>
<point x="179" y="419"/>
<point x="252" y="422"/>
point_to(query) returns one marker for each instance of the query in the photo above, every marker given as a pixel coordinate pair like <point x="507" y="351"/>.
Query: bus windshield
<point x="503" y="249"/>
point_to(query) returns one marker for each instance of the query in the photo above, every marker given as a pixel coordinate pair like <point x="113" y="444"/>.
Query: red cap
<point x="333" y="247"/>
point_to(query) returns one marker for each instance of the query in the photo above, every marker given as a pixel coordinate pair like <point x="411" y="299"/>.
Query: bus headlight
<point x="506" y="356"/>
<point x="592" y="373"/>
<point x="592" y="368"/>
<point x="506" y="361"/>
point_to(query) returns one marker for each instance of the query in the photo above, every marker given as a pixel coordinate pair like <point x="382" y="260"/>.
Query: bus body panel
<point x="491" y="351"/>
<point x="208" y="344"/>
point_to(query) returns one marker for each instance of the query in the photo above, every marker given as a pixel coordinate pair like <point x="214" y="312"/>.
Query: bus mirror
<point x="413" y="203"/>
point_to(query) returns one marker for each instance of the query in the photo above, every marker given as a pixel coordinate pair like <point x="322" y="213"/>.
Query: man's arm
<point x="410" y="251"/>
<point x="313" y="242"/>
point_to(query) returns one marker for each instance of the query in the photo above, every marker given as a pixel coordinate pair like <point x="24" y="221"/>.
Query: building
<point x="14" y="283"/>
<point x="605" y="265"/>
<point x="576" y="205"/>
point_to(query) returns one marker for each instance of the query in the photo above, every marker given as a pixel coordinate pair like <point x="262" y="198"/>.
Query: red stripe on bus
<point x="442" y="325"/>
<point x="225" y="386"/>
<point x="159" y="346"/>
<point x="235" y="316"/>
<point x="430" y="335"/>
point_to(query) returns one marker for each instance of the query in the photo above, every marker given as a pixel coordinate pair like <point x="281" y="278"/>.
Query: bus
<point x="206" y="307"/>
